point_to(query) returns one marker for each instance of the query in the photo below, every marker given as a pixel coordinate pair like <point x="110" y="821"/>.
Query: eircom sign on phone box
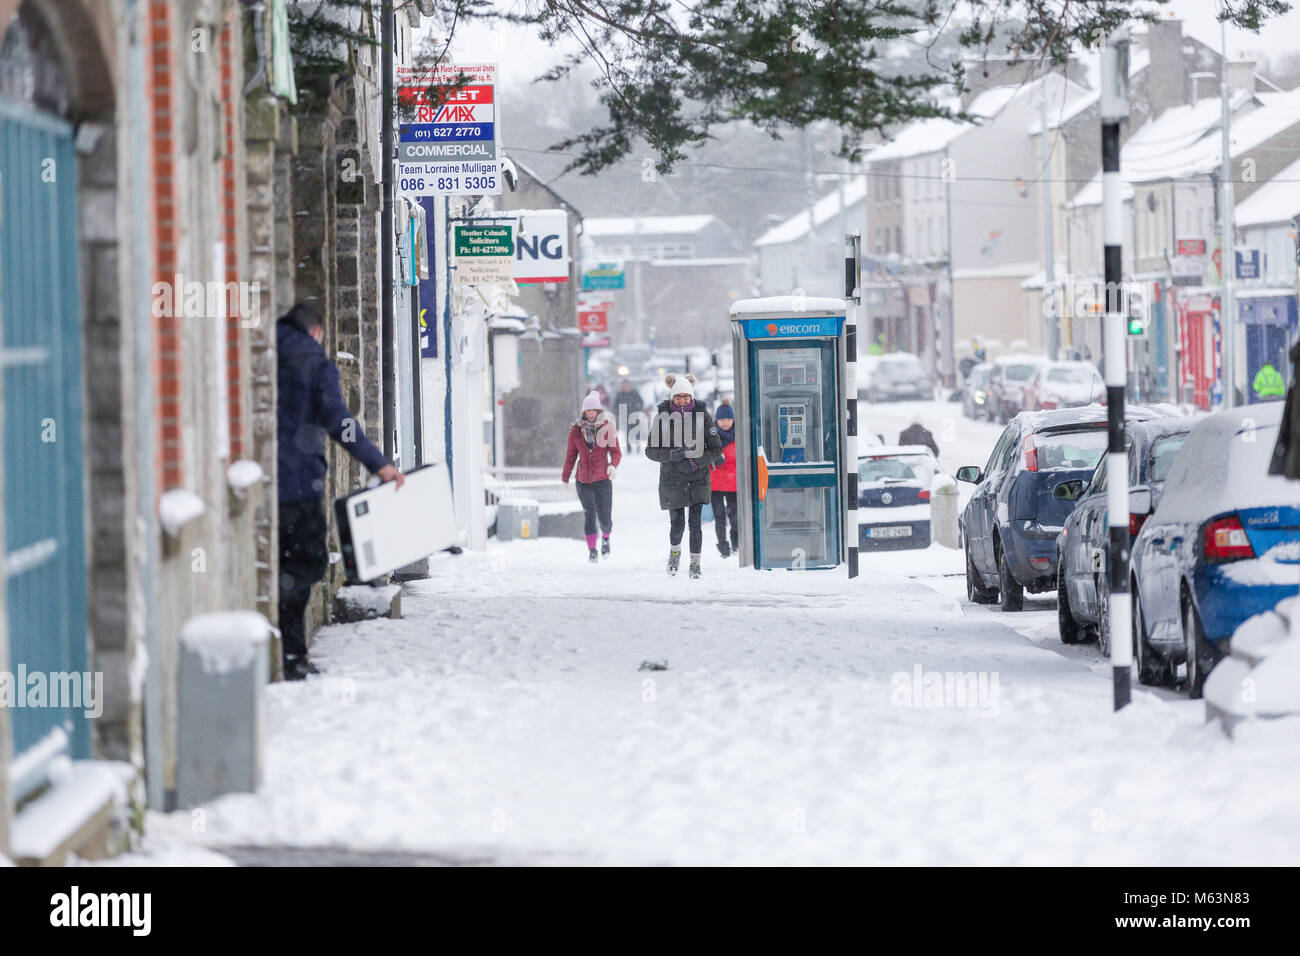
<point x="449" y="136"/>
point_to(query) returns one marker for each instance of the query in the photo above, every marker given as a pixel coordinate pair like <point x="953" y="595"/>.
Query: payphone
<point x="790" y="431"/>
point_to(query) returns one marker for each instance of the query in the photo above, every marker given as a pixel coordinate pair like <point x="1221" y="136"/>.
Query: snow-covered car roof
<point x="885" y="451"/>
<point x="1223" y="466"/>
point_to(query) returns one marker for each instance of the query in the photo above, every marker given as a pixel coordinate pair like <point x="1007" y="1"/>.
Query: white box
<point x="382" y="529"/>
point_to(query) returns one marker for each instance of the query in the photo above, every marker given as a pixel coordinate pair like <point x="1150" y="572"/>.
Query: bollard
<point x="517" y="518"/>
<point x="943" y="511"/>
<point x="224" y="664"/>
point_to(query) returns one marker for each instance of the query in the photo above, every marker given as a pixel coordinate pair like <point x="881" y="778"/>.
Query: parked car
<point x="1064" y="385"/>
<point x="896" y="376"/>
<point x="894" y="497"/>
<point x="1083" y="549"/>
<point x="1009" y="526"/>
<point x="1222" y="545"/>
<point x="975" y="392"/>
<point x="1007" y="384"/>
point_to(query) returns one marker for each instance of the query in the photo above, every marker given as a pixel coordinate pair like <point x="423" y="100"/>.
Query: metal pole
<point x="1052" y="332"/>
<point x="637" y="302"/>
<point x="852" y="296"/>
<point x="1227" y="245"/>
<point x="1114" y="108"/>
<point x="387" y="334"/>
<point x="417" y="365"/>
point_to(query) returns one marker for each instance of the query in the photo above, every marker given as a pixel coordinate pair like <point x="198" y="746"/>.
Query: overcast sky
<point x="522" y="56"/>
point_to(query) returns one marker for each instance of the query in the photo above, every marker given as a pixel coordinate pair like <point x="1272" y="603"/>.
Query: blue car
<point x="1009" y="526"/>
<point x="894" y="497"/>
<point x="1222" y="545"/>
<point x="1083" y="549"/>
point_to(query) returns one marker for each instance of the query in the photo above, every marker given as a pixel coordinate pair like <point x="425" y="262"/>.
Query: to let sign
<point x="593" y="320"/>
<point x="450" y="134"/>
<point x="484" y="254"/>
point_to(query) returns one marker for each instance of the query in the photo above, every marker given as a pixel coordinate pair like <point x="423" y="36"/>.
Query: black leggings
<point x="678" y="525"/>
<point x="724" y="509"/>
<point x="597" y="505"/>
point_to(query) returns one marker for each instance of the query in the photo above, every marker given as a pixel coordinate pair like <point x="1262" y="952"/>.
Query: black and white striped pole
<point x="852" y="299"/>
<point x="1114" y="109"/>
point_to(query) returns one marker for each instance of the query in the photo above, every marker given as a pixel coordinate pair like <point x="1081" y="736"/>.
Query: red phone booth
<point x="1197" y="320"/>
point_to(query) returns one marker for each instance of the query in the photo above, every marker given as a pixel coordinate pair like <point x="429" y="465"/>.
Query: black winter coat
<point x="309" y="406"/>
<point x="1286" y="452"/>
<point x="684" y="482"/>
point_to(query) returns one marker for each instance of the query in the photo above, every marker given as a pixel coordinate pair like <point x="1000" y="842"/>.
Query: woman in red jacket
<point x="724" y="481"/>
<point x="593" y="447"/>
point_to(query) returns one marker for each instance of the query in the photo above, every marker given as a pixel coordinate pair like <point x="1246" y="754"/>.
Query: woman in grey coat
<point x="685" y="442"/>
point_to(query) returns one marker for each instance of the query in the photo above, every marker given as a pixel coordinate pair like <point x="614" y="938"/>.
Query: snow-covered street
<point x="518" y="714"/>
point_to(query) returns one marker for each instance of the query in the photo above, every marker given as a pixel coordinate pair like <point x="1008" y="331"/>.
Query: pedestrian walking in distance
<point x="593" y="448"/>
<point x="309" y="406"/>
<point x="685" y="443"/>
<point x="723" y="482"/>
<point x="627" y="402"/>
<point x="917" y="434"/>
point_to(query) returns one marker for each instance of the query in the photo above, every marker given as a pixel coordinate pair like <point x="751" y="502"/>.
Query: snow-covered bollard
<point x="517" y="518"/>
<point x="224" y="664"/>
<point x="943" y="510"/>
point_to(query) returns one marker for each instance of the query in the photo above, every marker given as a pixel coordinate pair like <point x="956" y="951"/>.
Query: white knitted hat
<point x="591" y="402"/>
<point x="681" y="384"/>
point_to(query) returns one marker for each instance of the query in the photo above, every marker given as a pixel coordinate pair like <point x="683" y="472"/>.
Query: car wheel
<point x="1065" y="622"/>
<point x="1103" y="617"/>
<point x="976" y="592"/>
<point x="1009" y="589"/>
<point x="1153" y="671"/>
<point x="1194" y="647"/>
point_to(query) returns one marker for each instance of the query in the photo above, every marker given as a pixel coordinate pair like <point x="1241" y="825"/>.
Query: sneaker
<point x="604" y="548"/>
<point x="674" y="558"/>
<point x="592" y="556"/>
<point x="695" y="567"/>
<point x="724" y="550"/>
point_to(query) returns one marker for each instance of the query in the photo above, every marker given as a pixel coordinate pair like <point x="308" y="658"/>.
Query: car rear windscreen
<point x="916" y="468"/>
<point x="1163" y="452"/>
<point x="1081" y="449"/>
<point x="1071" y="376"/>
<point x="1020" y="373"/>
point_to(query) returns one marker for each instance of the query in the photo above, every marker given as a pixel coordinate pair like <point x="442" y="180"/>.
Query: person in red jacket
<point x="724" y="481"/>
<point x="593" y="447"/>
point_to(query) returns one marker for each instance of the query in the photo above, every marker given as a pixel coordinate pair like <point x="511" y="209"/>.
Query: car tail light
<point x="1040" y="564"/>
<point x="1031" y="453"/>
<point x="923" y="494"/>
<point x="1135" y="523"/>
<point x="1225" y="540"/>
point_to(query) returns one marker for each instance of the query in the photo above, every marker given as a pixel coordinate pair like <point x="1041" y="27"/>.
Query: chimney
<point x="1165" y="78"/>
<point x="1241" y="75"/>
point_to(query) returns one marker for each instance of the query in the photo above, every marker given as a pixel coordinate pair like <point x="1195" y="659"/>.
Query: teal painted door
<point x="45" y="556"/>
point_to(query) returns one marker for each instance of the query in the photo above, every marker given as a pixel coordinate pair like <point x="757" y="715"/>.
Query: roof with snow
<point x="648" y="225"/>
<point x="931" y="135"/>
<point x="1185" y="141"/>
<point x="826" y="208"/>
<point x="1276" y="201"/>
<point x="791" y="305"/>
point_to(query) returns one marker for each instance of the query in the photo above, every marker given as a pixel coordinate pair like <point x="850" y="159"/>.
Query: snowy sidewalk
<point x="507" y="718"/>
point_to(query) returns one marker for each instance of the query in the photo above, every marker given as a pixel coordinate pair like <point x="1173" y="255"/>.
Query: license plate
<point x="903" y="532"/>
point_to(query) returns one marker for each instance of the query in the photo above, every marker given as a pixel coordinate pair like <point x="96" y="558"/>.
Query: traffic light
<point x="1137" y="325"/>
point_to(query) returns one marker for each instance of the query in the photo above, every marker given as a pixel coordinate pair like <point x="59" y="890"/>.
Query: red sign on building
<point x="593" y="320"/>
<point x="1191" y="247"/>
